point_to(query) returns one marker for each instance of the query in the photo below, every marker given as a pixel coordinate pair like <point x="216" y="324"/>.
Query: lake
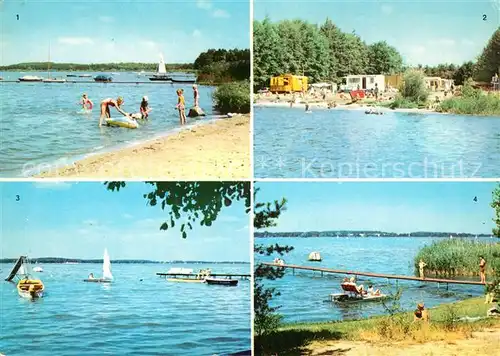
<point x="290" y="143"/>
<point x="42" y="123"/>
<point x="304" y="296"/>
<point x="127" y="317"/>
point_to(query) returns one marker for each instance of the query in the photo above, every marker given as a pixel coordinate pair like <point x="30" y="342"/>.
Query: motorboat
<point x="27" y="286"/>
<point x="30" y="78"/>
<point x="187" y="275"/>
<point x="183" y="81"/>
<point x="221" y="281"/>
<point x="352" y="294"/>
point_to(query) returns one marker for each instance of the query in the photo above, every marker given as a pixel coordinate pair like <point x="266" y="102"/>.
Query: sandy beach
<point x="217" y="150"/>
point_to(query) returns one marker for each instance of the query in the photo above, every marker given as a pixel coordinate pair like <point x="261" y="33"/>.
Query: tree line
<point x="223" y="66"/>
<point x="96" y="67"/>
<point x="326" y="53"/>
<point x="347" y="233"/>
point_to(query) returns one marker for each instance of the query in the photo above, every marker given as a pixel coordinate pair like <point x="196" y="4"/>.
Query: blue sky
<point x="385" y="206"/>
<point x="424" y="31"/>
<point x="120" y="30"/>
<point x="79" y="219"/>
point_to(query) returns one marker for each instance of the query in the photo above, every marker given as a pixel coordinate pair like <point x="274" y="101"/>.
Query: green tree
<point x="464" y="72"/>
<point x="192" y="202"/>
<point x="267" y="52"/>
<point x="488" y="62"/>
<point x="266" y="320"/>
<point x="413" y="88"/>
<point x="384" y="59"/>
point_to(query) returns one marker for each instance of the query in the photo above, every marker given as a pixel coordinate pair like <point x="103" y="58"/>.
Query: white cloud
<point x="127" y="216"/>
<point x="149" y="43"/>
<point x="417" y="49"/>
<point x="442" y="42"/>
<point x="220" y="14"/>
<point x="386" y="9"/>
<point x="106" y="19"/>
<point x="467" y="42"/>
<point x="196" y="33"/>
<point x="204" y="4"/>
<point x="75" y="41"/>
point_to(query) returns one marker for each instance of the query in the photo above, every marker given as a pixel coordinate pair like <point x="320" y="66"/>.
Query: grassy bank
<point x="456" y="257"/>
<point x="291" y="339"/>
<point x="487" y="104"/>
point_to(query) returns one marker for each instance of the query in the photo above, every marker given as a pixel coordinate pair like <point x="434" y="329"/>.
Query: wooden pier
<point x="224" y="275"/>
<point x="374" y="275"/>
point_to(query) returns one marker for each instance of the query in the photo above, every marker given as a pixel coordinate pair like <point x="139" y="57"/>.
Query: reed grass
<point x="457" y="257"/>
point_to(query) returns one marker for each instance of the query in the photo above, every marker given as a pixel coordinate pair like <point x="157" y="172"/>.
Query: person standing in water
<point x="181" y="106"/>
<point x="196" y="95"/>
<point x="145" y="110"/>
<point x="421" y="266"/>
<point x="482" y="269"/>
<point x="86" y="102"/>
<point x="106" y="103"/>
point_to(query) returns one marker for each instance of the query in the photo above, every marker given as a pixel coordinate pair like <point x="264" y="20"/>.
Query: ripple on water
<point x="287" y="144"/>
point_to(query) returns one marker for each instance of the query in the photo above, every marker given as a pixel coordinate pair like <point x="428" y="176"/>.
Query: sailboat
<point x="161" y="74"/>
<point x="49" y="79"/>
<point x="27" y="287"/>
<point x="107" y="277"/>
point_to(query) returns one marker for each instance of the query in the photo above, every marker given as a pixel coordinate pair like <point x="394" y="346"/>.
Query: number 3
<point x="17" y="198"/>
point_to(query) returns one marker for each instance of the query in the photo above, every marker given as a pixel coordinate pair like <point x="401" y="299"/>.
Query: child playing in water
<point x="106" y="103"/>
<point x="181" y="106"/>
<point x="145" y="108"/>
<point x="86" y="102"/>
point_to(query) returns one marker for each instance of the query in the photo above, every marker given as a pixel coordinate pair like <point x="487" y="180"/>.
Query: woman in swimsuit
<point x="106" y="103"/>
<point x="482" y="269"/>
<point x="86" y="102"/>
<point x="181" y="106"/>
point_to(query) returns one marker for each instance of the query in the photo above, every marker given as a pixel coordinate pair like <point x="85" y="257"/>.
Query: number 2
<point x="485" y="17"/>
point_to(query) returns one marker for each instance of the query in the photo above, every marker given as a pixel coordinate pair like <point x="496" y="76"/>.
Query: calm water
<point x="42" y="123"/>
<point x="290" y="143"/>
<point x="128" y="317"/>
<point x="304" y="297"/>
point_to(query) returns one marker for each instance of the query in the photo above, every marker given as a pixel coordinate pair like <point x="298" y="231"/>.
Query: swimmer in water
<point x="86" y="102"/>
<point x="181" y="106"/>
<point x="145" y="109"/>
<point x="106" y="103"/>
<point x="196" y="95"/>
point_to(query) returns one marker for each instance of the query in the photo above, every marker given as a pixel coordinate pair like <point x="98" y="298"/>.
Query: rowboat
<point x="183" y="81"/>
<point x="30" y="288"/>
<point x="222" y="281"/>
<point x="314" y="257"/>
<point x="27" y="286"/>
<point x="30" y="78"/>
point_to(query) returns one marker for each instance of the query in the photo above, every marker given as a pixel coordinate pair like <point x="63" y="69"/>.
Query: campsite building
<point x="366" y="82"/>
<point x="288" y="83"/>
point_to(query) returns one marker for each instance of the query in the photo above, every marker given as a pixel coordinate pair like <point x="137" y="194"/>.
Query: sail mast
<point x="48" y="64"/>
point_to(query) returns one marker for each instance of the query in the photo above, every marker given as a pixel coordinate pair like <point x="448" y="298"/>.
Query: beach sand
<point x="218" y="150"/>
<point x="481" y="343"/>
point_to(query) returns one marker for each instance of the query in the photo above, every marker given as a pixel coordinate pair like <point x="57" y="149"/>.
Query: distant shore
<point x="46" y="260"/>
<point x="217" y="150"/>
<point x="323" y="105"/>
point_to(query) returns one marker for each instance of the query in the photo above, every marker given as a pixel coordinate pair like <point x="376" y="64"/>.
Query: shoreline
<point x="366" y="336"/>
<point x="219" y="149"/>
<point x="323" y="105"/>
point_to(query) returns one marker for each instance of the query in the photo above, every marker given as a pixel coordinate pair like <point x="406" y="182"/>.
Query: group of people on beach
<point x="144" y="108"/>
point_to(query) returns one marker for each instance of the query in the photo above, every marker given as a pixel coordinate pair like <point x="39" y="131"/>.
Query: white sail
<point x="106" y="266"/>
<point x="161" y="66"/>
<point x="22" y="271"/>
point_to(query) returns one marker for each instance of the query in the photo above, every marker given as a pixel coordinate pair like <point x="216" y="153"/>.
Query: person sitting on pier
<point x="421" y="314"/>
<point x="91" y="276"/>
<point x="360" y="289"/>
<point x="371" y="292"/>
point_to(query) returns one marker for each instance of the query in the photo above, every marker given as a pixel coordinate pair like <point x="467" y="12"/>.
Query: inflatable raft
<point x="126" y="122"/>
